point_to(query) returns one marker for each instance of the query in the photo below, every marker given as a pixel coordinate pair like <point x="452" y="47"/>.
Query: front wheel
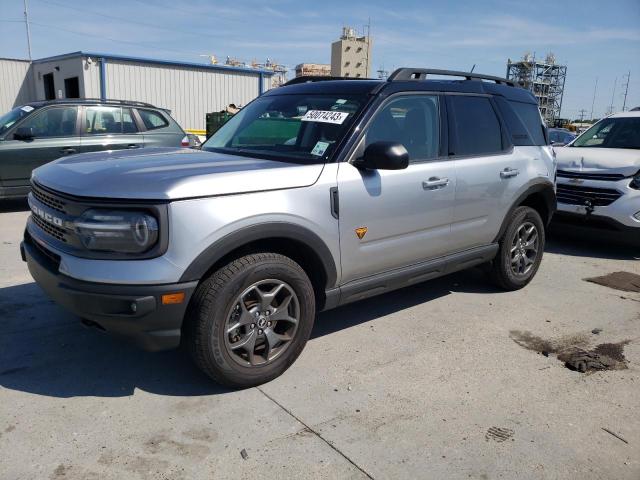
<point x="249" y="321"/>
<point x="520" y="252"/>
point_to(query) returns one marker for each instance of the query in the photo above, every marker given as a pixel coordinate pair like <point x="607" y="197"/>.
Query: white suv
<point x="599" y="175"/>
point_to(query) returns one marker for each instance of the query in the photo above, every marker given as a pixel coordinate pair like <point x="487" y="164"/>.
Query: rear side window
<point x="476" y="126"/>
<point x="152" y="120"/>
<point x="530" y="116"/>
<point x="108" y="120"/>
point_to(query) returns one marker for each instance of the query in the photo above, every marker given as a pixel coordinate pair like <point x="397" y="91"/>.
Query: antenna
<point x="472" y="68"/>
<point x="26" y="22"/>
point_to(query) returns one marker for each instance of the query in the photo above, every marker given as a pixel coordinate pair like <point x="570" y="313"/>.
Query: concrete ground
<point x="426" y="382"/>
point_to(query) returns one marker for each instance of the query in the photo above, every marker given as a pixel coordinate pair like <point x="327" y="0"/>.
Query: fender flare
<point x="548" y="194"/>
<point x="261" y="231"/>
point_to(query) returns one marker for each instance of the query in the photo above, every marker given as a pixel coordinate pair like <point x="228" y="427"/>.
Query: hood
<point x="169" y="174"/>
<point x="598" y="160"/>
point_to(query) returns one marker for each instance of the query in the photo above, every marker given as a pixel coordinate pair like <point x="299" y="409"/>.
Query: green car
<point x="40" y="132"/>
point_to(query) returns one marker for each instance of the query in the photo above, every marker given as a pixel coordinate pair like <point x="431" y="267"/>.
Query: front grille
<point x="49" y="255"/>
<point x="56" y="232"/>
<point x="579" y="195"/>
<point x="608" y="177"/>
<point x="48" y="199"/>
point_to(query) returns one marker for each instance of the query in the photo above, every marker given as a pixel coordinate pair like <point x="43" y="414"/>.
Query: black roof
<point x="88" y="101"/>
<point x="402" y="81"/>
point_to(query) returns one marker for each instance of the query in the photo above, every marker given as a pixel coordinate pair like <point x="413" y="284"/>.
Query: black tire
<point x="210" y="309"/>
<point x="501" y="271"/>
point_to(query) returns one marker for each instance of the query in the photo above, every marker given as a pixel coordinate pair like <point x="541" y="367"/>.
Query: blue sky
<point x="595" y="38"/>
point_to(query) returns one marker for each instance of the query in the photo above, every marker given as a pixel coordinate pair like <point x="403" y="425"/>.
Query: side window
<point x="530" y="117"/>
<point x="413" y="121"/>
<point x="476" y="126"/>
<point x="128" y="124"/>
<point x="152" y="120"/>
<point x="103" y="120"/>
<point x="53" y="122"/>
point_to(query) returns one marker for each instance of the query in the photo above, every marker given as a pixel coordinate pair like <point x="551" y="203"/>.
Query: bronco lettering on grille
<point x="47" y="217"/>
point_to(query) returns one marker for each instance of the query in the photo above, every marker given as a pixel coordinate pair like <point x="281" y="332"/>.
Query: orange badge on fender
<point x="361" y="232"/>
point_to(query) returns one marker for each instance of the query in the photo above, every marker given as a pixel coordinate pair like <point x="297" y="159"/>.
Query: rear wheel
<point x="249" y="321"/>
<point x="520" y="252"/>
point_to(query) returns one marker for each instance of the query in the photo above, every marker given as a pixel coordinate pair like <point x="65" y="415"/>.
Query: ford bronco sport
<point x="316" y="194"/>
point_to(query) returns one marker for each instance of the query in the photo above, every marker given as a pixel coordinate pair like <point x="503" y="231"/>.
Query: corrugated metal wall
<point x="190" y="93"/>
<point x="16" y="84"/>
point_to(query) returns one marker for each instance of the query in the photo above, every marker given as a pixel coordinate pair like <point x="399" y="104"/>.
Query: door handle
<point x="434" y="183"/>
<point x="68" y="150"/>
<point x="133" y="145"/>
<point x="509" y="172"/>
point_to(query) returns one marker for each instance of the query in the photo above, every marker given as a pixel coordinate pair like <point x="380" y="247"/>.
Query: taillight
<point x="185" y="141"/>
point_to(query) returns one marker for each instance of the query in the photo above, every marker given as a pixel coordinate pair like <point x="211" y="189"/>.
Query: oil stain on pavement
<point x="575" y="351"/>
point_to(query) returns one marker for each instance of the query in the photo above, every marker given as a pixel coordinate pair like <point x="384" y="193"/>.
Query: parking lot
<point x="441" y="380"/>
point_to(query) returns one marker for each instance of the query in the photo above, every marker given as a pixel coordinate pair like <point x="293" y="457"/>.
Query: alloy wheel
<point x="262" y="322"/>
<point x="524" y="249"/>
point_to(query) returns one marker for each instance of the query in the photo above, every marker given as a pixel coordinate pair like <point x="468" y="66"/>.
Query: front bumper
<point x="622" y="213"/>
<point x="132" y="311"/>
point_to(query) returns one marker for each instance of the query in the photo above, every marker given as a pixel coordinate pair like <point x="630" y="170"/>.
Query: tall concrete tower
<point x="351" y="55"/>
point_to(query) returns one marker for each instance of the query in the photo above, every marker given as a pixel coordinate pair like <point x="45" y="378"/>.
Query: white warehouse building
<point x="189" y="90"/>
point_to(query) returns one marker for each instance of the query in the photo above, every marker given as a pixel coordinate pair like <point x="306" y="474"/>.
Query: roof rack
<point x="319" y="78"/>
<point x="98" y="100"/>
<point x="401" y="74"/>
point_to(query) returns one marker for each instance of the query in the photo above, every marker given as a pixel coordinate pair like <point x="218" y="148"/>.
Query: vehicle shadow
<point x="14" y="205"/>
<point x="582" y="242"/>
<point x="44" y="350"/>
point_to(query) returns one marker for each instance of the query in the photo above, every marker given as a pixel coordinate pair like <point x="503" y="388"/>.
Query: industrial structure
<point x="545" y="79"/>
<point x="189" y="90"/>
<point x="313" y="70"/>
<point x="351" y="55"/>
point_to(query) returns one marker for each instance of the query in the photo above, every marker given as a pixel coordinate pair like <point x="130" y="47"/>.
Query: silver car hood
<point x="169" y="174"/>
<point x="598" y="160"/>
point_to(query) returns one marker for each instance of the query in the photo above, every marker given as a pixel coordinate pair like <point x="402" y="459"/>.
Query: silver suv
<point x="318" y="193"/>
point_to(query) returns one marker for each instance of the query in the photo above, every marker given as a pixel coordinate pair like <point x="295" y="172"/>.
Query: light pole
<point x="26" y="22"/>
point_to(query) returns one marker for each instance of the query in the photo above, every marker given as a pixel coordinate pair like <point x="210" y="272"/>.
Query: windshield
<point x="290" y="128"/>
<point x="12" y="116"/>
<point x="620" y="132"/>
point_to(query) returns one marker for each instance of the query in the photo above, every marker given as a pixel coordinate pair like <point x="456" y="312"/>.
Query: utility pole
<point x="582" y="112"/>
<point x="593" y="102"/>
<point x="26" y="22"/>
<point x="626" y="90"/>
<point x="615" y="83"/>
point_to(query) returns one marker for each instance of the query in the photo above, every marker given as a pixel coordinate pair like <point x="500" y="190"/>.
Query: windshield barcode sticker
<point x="325" y="116"/>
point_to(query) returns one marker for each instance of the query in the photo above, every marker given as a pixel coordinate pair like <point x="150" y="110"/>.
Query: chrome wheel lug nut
<point x="268" y="324"/>
<point x="257" y="314"/>
<point x="253" y="325"/>
<point x="260" y="332"/>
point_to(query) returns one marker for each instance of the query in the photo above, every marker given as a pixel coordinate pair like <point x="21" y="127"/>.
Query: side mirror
<point x="383" y="156"/>
<point x="24" y="133"/>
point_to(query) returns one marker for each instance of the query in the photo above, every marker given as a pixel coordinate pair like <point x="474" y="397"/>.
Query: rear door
<point x="406" y="214"/>
<point x="489" y="170"/>
<point x="109" y="128"/>
<point x="55" y="131"/>
<point x="160" y="130"/>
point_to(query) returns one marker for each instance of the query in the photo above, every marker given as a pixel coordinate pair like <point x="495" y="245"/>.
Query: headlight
<point x="635" y="182"/>
<point x="117" y="231"/>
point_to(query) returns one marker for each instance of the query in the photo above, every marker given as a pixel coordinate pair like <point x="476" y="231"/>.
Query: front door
<point x="54" y="135"/>
<point x="109" y="128"/>
<point x="390" y="219"/>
